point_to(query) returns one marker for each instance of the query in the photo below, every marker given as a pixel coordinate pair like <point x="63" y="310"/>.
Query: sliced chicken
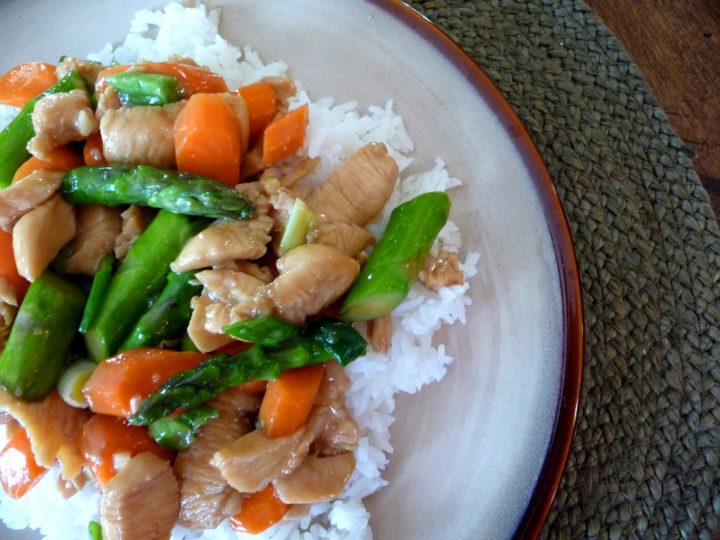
<point x="97" y="229"/>
<point x="225" y="241"/>
<point x="255" y="193"/>
<point x="341" y="432"/>
<point x="134" y="221"/>
<point x="140" y="135"/>
<point x="312" y="276"/>
<point x="40" y="235"/>
<point x="357" y="190"/>
<point x="20" y="197"/>
<point x="59" y="119"/>
<point x="317" y="479"/>
<point x="142" y="501"/>
<point x="52" y="427"/>
<point x="108" y="100"/>
<point x="252" y="461"/>
<point x="87" y="69"/>
<point x="205" y="497"/>
<point x="8" y="309"/>
<point x="284" y="89"/>
<point x="441" y="270"/>
<point x="380" y="333"/>
<point x="345" y="237"/>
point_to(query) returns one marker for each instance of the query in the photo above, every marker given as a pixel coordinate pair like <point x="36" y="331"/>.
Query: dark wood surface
<point x="676" y="44"/>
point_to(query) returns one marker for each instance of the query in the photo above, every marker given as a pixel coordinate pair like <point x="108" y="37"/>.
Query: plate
<point x="480" y="454"/>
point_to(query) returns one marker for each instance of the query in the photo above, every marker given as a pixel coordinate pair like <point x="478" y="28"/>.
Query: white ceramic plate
<point x="480" y="454"/>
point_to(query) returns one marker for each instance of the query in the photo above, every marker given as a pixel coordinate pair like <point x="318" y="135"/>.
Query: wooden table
<point x="676" y="44"/>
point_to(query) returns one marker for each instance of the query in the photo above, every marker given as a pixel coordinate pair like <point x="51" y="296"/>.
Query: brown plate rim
<point x="531" y="523"/>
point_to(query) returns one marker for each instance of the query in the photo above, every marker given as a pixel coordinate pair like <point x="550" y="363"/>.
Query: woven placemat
<point x="644" y="460"/>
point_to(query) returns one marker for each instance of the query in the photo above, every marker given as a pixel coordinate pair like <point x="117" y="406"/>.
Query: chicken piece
<point x="59" y="119"/>
<point x="341" y="432"/>
<point x="97" y="229"/>
<point x="301" y="170"/>
<point x="87" y="69"/>
<point x="140" y="135"/>
<point x="249" y="463"/>
<point x="28" y="193"/>
<point x="52" y="427"/>
<point x="40" y="235"/>
<point x="380" y="333"/>
<point x="284" y="89"/>
<point x="255" y="193"/>
<point x="317" y="479"/>
<point x="8" y="309"/>
<point x="203" y="339"/>
<point x="140" y="501"/>
<point x="225" y="241"/>
<point x="345" y="237"/>
<point x="205" y="497"/>
<point x="357" y="190"/>
<point x="108" y="100"/>
<point x="134" y="221"/>
<point x="311" y="277"/>
<point x="441" y="270"/>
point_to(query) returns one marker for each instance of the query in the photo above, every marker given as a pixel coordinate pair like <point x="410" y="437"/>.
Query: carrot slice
<point x="118" y="384"/>
<point x="105" y="438"/>
<point x="61" y="159"/>
<point x="261" y="101"/>
<point x="8" y="268"/>
<point x="192" y="79"/>
<point x="93" y="150"/>
<point x="18" y="469"/>
<point x="288" y="400"/>
<point x="259" y="511"/>
<point x="284" y="136"/>
<point x="24" y="82"/>
<point x="208" y="139"/>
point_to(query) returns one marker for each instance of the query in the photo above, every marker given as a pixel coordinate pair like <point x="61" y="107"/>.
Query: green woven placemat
<point x="644" y="460"/>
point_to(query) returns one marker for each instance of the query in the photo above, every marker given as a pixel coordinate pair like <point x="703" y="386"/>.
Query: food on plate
<point x="201" y="260"/>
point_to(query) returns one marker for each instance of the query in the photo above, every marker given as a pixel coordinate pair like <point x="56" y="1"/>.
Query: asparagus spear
<point x="325" y="340"/>
<point x="168" y="316"/>
<point x="178" y="432"/>
<point x="41" y="336"/>
<point x="183" y="193"/>
<point x="141" y="275"/>
<point x="264" y="330"/>
<point x="394" y="264"/>
<point x="137" y="88"/>
<point x="14" y="138"/>
<point x="100" y="284"/>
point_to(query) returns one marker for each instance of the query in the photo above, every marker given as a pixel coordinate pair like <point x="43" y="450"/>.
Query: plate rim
<point x="533" y="519"/>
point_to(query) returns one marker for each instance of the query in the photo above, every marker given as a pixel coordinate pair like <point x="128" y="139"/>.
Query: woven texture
<point x="644" y="460"/>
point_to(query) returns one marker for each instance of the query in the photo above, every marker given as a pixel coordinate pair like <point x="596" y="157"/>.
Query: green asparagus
<point x="14" y="138"/>
<point x="178" y="432"/>
<point x="168" y="316"/>
<point x="100" y="284"/>
<point x="264" y="330"/>
<point x="137" y="88"/>
<point x="182" y="193"/>
<point x="41" y="336"/>
<point x="326" y="340"/>
<point x="141" y="275"/>
<point x="394" y="264"/>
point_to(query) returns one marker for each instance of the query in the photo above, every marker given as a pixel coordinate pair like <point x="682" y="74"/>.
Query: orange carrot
<point x="93" y="150"/>
<point x="288" y="400"/>
<point x="261" y="101"/>
<point x="61" y="159"/>
<point x="18" y="469"/>
<point x="118" y="384"/>
<point x="104" y="437"/>
<point x="259" y="511"/>
<point x="24" y="82"/>
<point x="208" y="139"/>
<point x="192" y="80"/>
<point x="8" y="268"/>
<point x="284" y="136"/>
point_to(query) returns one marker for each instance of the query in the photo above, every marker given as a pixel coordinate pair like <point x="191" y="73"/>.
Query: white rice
<point x="334" y="132"/>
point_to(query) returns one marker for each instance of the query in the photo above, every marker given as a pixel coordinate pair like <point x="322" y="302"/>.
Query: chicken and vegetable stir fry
<point x="176" y="305"/>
